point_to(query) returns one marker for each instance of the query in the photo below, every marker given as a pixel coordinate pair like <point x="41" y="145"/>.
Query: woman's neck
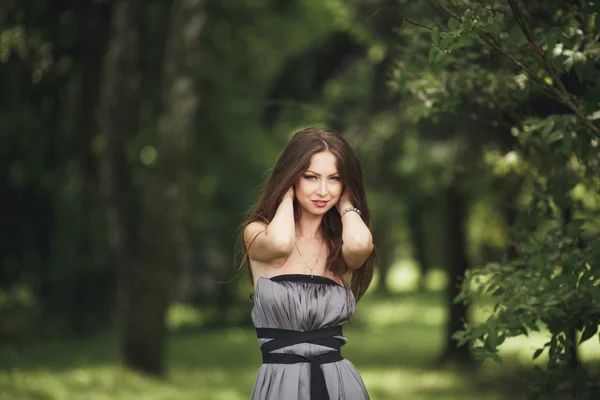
<point x="309" y="227"/>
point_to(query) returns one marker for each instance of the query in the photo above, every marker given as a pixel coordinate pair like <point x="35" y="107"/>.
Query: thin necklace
<point x="304" y="262"/>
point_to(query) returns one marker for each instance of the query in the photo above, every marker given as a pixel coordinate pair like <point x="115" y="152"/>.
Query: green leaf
<point x="453" y="23"/>
<point x="568" y="143"/>
<point x="553" y="346"/>
<point x="439" y="57"/>
<point x="446" y="41"/>
<point x="515" y="33"/>
<point x="575" y="226"/>
<point x="479" y="331"/>
<point x="432" y="53"/>
<point x="465" y="40"/>
<point x="578" y="67"/>
<point x="461" y="297"/>
<point x="501" y="339"/>
<point x="555" y="137"/>
<point x="537" y="261"/>
<point x="548" y="126"/>
<point x="532" y="325"/>
<point x="462" y="41"/>
<point x="589" y="331"/>
<point x="492" y="338"/>
<point x="435" y="35"/>
<point x="569" y="63"/>
<point x="460" y="337"/>
<point x="480" y="353"/>
<point x="559" y="62"/>
<point x="523" y="330"/>
<point x="553" y="36"/>
<point x="582" y="149"/>
<point x="537" y="353"/>
<point x="497" y="358"/>
<point x="456" y="46"/>
<point x="492" y="29"/>
<point x="552" y="39"/>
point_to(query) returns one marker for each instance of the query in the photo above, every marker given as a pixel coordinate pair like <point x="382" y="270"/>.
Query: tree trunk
<point x="167" y="233"/>
<point x="419" y="246"/>
<point x="571" y="350"/>
<point x="456" y="256"/>
<point x="148" y="263"/>
<point x="509" y="208"/>
<point x="384" y="233"/>
<point x="117" y="122"/>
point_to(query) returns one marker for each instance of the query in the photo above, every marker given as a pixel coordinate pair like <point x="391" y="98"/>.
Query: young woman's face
<point x="319" y="188"/>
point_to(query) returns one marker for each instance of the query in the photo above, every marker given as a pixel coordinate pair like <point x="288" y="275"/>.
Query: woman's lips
<point x="320" y="203"/>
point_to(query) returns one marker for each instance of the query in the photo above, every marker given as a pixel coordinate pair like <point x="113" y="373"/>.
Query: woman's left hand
<point x="343" y="202"/>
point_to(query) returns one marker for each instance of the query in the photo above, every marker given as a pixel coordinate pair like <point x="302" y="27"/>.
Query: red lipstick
<point x="320" y="203"/>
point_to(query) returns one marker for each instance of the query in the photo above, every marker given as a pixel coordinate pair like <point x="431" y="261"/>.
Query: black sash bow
<point x="284" y="338"/>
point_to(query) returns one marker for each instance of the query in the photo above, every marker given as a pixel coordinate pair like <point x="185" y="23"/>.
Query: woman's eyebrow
<point x="313" y="172"/>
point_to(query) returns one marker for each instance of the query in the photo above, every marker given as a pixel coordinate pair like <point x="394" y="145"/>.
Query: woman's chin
<point x="324" y="210"/>
<point x="316" y="211"/>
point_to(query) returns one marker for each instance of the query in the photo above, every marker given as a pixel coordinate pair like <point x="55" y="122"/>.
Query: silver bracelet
<point x="356" y="210"/>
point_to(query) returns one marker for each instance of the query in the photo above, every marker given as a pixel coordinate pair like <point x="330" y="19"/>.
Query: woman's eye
<point x="336" y="178"/>
<point x="309" y="176"/>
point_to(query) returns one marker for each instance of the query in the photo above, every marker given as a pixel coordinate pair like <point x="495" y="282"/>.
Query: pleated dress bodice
<point x="303" y="303"/>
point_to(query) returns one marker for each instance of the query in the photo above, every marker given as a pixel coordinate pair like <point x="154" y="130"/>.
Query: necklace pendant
<point x="312" y="276"/>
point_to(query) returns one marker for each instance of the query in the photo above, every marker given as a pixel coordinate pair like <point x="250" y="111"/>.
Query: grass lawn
<point x="393" y="342"/>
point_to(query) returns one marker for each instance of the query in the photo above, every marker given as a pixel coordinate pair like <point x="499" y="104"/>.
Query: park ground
<point x="394" y="341"/>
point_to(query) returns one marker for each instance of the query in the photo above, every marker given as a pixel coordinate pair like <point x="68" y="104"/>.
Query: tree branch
<point x="491" y="41"/>
<point x="494" y="123"/>
<point x="559" y="93"/>
<point x="415" y="23"/>
<point x="400" y="16"/>
<point x="565" y="96"/>
<point x="552" y="91"/>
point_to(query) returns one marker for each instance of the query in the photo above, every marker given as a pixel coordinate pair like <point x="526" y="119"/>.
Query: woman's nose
<point x="322" y="190"/>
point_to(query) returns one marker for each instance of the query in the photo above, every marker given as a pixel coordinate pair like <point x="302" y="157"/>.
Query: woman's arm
<point x="356" y="236"/>
<point x="276" y="240"/>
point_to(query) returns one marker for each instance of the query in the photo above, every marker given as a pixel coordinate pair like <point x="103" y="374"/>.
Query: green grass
<point x="394" y="342"/>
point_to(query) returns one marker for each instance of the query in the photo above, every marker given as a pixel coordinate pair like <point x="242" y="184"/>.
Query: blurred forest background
<point x="134" y="136"/>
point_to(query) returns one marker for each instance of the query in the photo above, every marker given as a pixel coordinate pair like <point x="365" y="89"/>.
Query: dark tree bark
<point x="117" y="122"/>
<point x="510" y="188"/>
<point x="457" y="264"/>
<point x="383" y="230"/>
<point x="91" y="45"/>
<point x="419" y="244"/>
<point x="148" y="262"/>
<point x="167" y="233"/>
<point x="571" y="350"/>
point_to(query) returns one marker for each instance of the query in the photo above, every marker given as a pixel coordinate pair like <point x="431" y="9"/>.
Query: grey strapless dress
<point x="301" y="303"/>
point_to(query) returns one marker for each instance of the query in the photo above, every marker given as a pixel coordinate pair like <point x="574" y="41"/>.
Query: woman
<point x="309" y="253"/>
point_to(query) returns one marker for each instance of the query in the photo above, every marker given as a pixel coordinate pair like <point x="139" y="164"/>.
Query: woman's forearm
<point x="356" y="235"/>
<point x="282" y="229"/>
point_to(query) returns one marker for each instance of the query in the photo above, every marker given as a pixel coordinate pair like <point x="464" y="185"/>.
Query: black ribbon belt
<point x="284" y="338"/>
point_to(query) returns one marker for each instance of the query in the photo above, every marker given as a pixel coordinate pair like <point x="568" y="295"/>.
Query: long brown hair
<point x="294" y="161"/>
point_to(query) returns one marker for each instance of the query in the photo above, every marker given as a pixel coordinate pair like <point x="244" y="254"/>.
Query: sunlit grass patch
<point x="394" y="342"/>
<point x="416" y="384"/>
<point x="85" y="382"/>
<point x="404" y="277"/>
<point x="181" y="315"/>
<point x="420" y="309"/>
<point x="410" y="383"/>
